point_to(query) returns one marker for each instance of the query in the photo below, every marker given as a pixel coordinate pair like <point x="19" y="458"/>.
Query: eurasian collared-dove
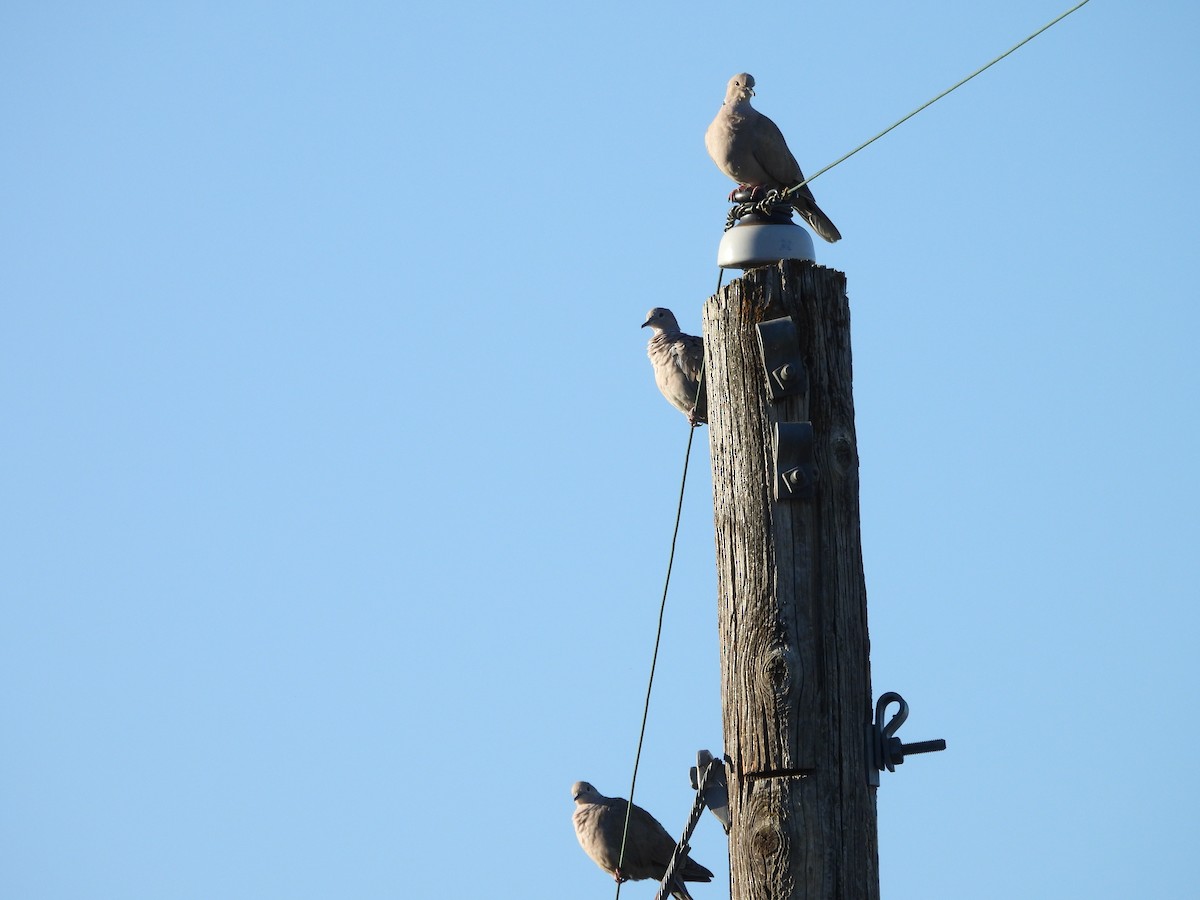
<point x="599" y="821"/>
<point x="678" y="360"/>
<point x="750" y="149"/>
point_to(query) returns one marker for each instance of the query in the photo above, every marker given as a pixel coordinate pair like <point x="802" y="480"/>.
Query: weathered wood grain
<point x="795" y="653"/>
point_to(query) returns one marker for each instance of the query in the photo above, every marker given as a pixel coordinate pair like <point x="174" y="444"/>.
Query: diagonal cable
<point x="637" y="758"/>
<point x="680" y="854"/>
<point x="654" y="658"/>
<point x="791" y="190"/>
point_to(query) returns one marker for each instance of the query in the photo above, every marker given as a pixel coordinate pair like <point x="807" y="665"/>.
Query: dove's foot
<point x="740" y="193"/>
<point x="619" y="876"/>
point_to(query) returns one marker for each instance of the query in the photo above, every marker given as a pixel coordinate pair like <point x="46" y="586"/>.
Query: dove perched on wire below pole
<point x="678" y="362"/>
<point x="750" y="149"/>
<point x="599" y="823"/>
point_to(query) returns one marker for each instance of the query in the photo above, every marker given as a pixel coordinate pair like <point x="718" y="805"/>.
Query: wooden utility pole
<point x="795" y="666"/>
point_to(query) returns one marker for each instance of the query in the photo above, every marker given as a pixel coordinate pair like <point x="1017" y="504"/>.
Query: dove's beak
<point x="647" y="322"/>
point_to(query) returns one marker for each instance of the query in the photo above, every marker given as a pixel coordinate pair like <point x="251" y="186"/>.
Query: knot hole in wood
<point x="767" y="839"/>
<point x="842" y="447"/>
<point x="779" y="670"/>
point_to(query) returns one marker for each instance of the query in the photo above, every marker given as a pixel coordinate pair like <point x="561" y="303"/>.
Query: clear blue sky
<point x="337" y="493"/>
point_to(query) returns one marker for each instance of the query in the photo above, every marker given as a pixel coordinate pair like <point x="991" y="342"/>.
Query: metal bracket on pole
<point x="780" y="346"/>
<point x="795" y="471"/>
<point x="708" y="778"/>
<point x="884" y="749"/>
<point x="715" y="786"/>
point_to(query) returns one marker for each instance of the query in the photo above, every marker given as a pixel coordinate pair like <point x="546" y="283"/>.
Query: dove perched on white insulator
<point x="750" y="149"/>
<point x="678" y="361"/>
<point x="599" y="823"/>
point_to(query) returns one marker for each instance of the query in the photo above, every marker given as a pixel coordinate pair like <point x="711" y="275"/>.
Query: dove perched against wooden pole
<point x="678" y="362"/>
<point x="599" y="823"/>
<point x="750" y="149"/>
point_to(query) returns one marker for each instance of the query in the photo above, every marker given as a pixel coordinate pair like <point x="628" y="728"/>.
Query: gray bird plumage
<point x="599" y="821"/>
<point x="678" y="360"/>
<point x="750" y="149"/>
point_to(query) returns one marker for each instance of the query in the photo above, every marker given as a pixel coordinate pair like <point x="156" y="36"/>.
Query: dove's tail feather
<point x="679" y="892"/>
<point x="819" y="221"/>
